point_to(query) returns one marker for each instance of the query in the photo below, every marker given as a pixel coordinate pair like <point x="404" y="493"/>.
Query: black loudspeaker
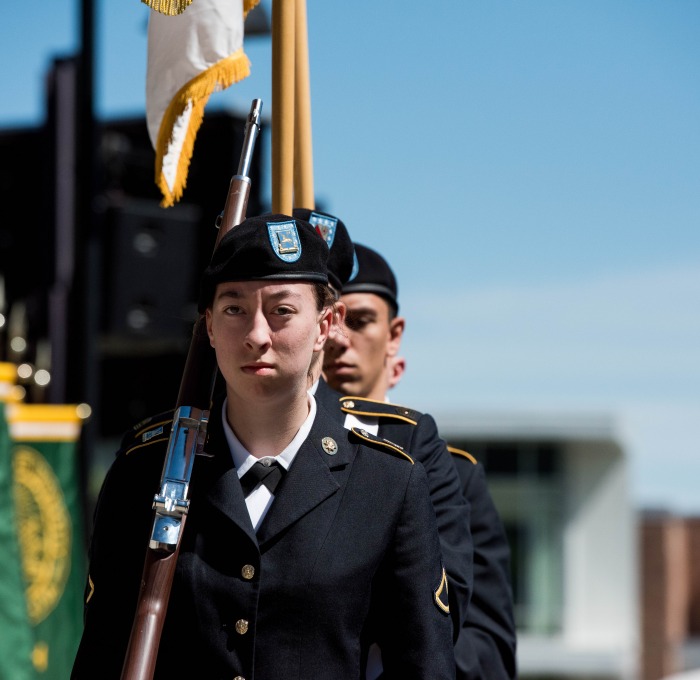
<point x="133" y="386"/>
<point x="150" y="258"/>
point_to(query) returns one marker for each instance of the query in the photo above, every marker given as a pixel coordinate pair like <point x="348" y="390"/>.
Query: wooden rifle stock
<point x="186" y="439"/>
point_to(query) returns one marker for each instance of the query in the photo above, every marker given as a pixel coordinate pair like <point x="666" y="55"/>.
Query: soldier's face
<point x="355" y="357"/>
<point x="265" y="336"/>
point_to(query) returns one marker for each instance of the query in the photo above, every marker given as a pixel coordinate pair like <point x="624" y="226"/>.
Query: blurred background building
<point x="561" y="485"/>
<point x="670" y="599"/>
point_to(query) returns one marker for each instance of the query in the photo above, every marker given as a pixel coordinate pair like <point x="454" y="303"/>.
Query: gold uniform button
<point x="248" y="571"/>
<point x="241" y="626"/>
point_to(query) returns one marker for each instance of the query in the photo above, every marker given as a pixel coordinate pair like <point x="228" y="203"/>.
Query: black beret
<point x="332" y="229"/>
<point x="266" y="247"/>
<point x="374" y="275"/>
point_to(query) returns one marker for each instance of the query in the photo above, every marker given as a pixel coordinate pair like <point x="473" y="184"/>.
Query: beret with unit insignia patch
<point x="266" y="248"/>
<point x="373" y="275"/>
<point x="341" y="259"/>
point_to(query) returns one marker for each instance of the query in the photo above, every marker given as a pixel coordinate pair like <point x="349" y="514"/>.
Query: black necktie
<point x="269" y="475"/>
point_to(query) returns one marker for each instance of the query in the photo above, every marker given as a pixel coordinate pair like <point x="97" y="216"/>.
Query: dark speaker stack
<point x="152" y="259"/>
<point x="145" y="260"/>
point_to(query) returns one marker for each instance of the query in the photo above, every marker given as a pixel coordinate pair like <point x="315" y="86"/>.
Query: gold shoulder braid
<point x="380" y="444"/>
<point x="149" y="431"/>
<point x="462" y="454"/>
<point x="358" y="406"/>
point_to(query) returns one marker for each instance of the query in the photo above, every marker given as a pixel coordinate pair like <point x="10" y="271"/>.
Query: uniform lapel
<point x="225" y="494"/>
<point x="313" y="477"/>
<point x="215" y="480"/>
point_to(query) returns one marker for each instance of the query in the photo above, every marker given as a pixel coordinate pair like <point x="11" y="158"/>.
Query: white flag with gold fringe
<point x="190" y="56"/>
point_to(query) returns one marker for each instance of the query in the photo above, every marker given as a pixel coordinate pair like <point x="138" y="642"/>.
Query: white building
<point x="561" y="486"/>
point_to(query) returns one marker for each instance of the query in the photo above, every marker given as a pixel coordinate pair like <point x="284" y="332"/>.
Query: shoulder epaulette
<point x="379" y="409"/>
<point x="462" y="454"/>
<point x="149" y="431"/>
<point x="380" y="444"/>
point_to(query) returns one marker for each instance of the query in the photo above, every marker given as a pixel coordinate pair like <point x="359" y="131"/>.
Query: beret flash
<point x="374" y="275"/>
<point x="341" y="259"/>
<point x="268" y="247"/>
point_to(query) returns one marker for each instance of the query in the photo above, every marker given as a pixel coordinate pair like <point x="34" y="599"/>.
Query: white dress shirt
<point x="260" y="499"/>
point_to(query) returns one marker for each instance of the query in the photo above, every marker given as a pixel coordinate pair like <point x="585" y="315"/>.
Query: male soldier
<point x="362" y="362"/>
<point x="423" y="444"/>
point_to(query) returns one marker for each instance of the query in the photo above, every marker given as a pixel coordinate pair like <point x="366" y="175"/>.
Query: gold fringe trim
<point x="169" y="7"/>
<point x="248" y="5"/>
<point x="197" y="91"/>
<point x="172" y="8"/>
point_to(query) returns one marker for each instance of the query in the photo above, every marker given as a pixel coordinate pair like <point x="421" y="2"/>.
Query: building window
<point x="525" y="481"/>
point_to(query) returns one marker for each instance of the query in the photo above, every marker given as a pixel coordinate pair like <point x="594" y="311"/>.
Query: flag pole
<point x="283" y="16"/>
<point x="303" y="155"/>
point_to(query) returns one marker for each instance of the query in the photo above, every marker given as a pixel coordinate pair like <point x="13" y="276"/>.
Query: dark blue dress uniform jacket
<point x="485" y="646"/>
<point x="421" y="441"/>
<point x="347" y="554"/>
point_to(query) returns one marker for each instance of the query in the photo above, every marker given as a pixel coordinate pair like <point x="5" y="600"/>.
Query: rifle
<point x="186" y="440"/>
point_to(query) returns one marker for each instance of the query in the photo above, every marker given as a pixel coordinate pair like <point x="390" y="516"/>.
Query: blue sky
<point x="530" y="169"/>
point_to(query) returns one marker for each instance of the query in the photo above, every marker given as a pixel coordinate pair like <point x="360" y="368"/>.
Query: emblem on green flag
<point x="16" y="640"/>
<point x="41" y="605"/>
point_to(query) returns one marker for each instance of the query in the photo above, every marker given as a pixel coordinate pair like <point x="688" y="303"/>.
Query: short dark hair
<point x="324" y="296"/>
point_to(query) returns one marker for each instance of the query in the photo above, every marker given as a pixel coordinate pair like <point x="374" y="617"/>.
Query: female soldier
<point x="288" y="577"/>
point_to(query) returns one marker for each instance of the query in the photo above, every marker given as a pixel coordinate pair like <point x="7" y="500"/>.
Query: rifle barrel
<point x="187" y="438"/>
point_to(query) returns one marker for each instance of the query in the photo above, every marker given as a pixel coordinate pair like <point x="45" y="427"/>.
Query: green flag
<point x="49" y="527"/>
<point x="16" y="637"/>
